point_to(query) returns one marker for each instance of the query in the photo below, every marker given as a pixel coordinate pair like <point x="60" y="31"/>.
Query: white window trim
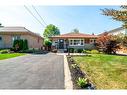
<point x="73" y="42"/>
<point x="92" y="41"/>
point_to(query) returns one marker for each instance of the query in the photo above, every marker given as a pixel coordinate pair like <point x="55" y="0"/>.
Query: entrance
<point x="1" y="42"/>
<point x="61" y="43"/>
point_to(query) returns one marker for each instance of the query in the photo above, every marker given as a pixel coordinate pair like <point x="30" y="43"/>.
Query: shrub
<point x="25" y="45"/>
<point x="71" y="50"/>
<point x="82" y="82"/>
<point x="94" y="51"/>
<point x="84" y="51"/>
<point x="19" y="45"/>
<point x="75" y="50"/>
<point x="80" y="50"/>
<point x="4" y="51"/>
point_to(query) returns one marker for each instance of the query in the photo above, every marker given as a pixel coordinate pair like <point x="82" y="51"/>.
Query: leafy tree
<point x="51" y="30"/>
<point x="47" y="42"/>
<point x="118" y="15"/>
<point x="107" y="44"/>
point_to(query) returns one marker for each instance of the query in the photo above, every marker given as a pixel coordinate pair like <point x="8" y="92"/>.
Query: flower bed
<point x="79" y="78"/>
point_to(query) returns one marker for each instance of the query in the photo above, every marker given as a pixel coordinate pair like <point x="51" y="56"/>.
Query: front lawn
<point x="105" y="71"/>
<point x="10" y="55"/>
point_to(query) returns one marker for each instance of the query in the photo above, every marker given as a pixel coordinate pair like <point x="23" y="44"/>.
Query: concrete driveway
<point x="40" y="71"/>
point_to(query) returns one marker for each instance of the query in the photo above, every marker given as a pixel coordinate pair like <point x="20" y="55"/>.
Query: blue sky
<point x="87" y="19"/>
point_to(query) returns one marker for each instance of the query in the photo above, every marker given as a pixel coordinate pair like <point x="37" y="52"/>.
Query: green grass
<point x="105" y="71"/>
<point x="10" y="55"/>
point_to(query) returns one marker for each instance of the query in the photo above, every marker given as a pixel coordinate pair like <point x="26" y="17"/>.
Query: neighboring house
<point x="117" y="31"/>
<point x="74" y="40"/>
<point x="9" y="34"/>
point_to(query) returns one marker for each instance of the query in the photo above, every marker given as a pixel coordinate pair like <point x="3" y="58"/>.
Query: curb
<point x="67" y="75"/>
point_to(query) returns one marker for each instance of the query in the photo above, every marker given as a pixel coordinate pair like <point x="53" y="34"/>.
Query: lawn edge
<point x="14" y="57"/>
<point x="67" y="75"/>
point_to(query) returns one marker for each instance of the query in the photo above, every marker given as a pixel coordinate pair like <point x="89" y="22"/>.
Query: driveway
<point x="42" y="71"/>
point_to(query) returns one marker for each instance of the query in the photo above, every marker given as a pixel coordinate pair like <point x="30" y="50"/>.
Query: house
<point x="117" y="31"/>
<point x="74" y="40"/>
<point x="9" y="34"/>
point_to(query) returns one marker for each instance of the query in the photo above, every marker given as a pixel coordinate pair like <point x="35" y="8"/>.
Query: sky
<point x="87" y="19"/>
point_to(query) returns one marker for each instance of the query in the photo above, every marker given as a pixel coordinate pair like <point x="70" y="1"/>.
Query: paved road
<point x="32" y="72"/>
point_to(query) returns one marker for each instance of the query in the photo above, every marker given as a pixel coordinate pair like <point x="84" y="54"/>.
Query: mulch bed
<point x="76" y="73"/>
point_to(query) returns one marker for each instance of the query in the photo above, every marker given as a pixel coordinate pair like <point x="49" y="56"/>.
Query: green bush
<point x="71" y="50"/>
<point x="79" y="50"/>
<point x="4" y="51"/>
<point x="94" y="51"/>
<point x="19" y="45"/>
<point x="25" y="45"/>
<point x="86" y="51"/>
<point x="82" y="82"/>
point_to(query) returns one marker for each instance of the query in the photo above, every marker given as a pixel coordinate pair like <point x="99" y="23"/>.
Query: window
<point x="92" y="40"/>
<point x="71" y="42"/>
<point x="0" y="38"/>
<point x="76" y="42"/>
<point x="17" y="37"/>
<point x="82" y="42"/>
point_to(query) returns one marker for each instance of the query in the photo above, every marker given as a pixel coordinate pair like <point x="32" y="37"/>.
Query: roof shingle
<point x="75" y="35"/>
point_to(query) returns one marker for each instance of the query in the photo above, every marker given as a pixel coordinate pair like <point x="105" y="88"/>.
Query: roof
<point x="112" y="31"/>
<point x="17" y="30"/>
<point x="75" y="35"/>
<point x="115" y="30"/>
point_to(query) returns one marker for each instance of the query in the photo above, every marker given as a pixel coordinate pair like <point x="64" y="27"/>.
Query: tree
<point x="107" y="44"/>
<point x="20" y="45"/>
<point x="51" y="30"/>
<point x="75" y="30"/>
<point x="25" y="45"/>
<point x="47" y="43"/>
<point x="118" y="15"/>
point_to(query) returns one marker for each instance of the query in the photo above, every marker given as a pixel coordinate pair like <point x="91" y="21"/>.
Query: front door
<point x="1" y="42"/>
<point x="61" y="43"/>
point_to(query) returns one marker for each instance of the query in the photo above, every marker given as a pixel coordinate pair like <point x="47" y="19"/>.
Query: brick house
<point x="9" y="34"/>
<point x="74" y="40"/>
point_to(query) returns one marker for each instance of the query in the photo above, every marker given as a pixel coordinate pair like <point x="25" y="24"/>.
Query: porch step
<point x="60" y="51"/>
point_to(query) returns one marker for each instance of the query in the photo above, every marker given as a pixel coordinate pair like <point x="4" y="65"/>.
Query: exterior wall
<point x="33" y="42"/>
<point x="87" y="43"/>
<point x="6" y="41"/>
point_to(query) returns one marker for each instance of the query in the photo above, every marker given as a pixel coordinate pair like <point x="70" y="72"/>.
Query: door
<point x="1" y="42"/>
<point x="61" y="44"/>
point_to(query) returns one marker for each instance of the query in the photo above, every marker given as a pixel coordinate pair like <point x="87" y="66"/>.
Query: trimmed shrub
<point x="25" y="45"/>
<point x="4" y="51"/>
<point x="71" y="50"/>
<point x="94" y="51"/>
<point x="79" y="50"/>
<point x="19" y="45"/>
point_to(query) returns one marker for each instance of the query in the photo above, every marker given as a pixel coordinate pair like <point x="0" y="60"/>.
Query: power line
<point x="33" y="15"/>
<point x="39" y="15"/>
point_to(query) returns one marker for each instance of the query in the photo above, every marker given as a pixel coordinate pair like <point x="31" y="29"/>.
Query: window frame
<point x="74" y="42"/>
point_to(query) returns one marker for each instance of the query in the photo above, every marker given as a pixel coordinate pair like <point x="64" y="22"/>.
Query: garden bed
<point x="78" y="76"/>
